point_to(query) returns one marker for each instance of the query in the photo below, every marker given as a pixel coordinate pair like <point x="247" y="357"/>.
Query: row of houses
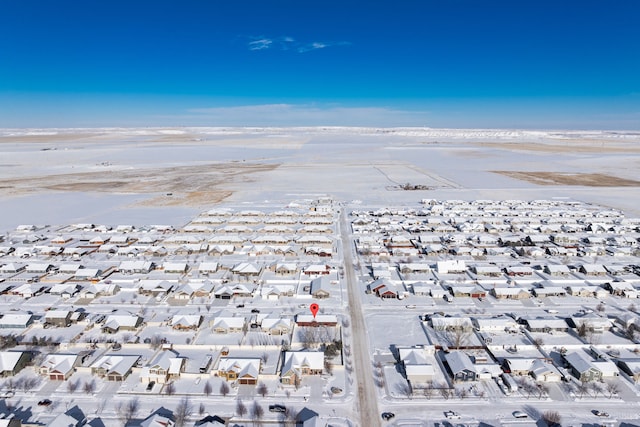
<point x="167" y="365"/>
<point x="223" y="322"/>
<point x="420" y="366"/>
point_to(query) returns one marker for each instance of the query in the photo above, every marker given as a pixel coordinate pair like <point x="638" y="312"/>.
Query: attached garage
<point x="247" y="380"/>
<point x="56" y="376"/>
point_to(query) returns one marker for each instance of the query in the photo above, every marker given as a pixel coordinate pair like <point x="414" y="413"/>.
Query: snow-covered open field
<point x="167" y="175"/>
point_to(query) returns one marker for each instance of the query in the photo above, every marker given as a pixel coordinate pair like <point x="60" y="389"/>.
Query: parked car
<point x="277" y="408"/>
<point x="150" y="385"/>
<point x="6" y="394"/>
<point x="600" y="413"/>
<point x="255" y="310"/>
<point x="452" y="415"/>
<point x="388" y="415"/>
<point x="240" y="306"/>
<point x="45" y="402"/>
<point x="520" y="414"/>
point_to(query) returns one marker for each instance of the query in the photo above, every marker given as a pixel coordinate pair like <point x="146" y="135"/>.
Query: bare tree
<point x="428" y="390"/>
<point x="207" y="389"/>
<point x="257" y="412"/>
<point x="596" y="387"/>
<point x="404" y="388"/>
<point x="72" y="386"/>
<point x="583" y="329"/>
<point x="290" y="415"/>
<point x="182" y="412"/>
<point x="201" y="409"/>
<point x="169" y="389"/>
<point x="264" y="358"/>
<point x="156" y="341"/>
<point x="262" y="389"/>
<point x="612" y="388"/>
<point x="30" y="383"/>
<point x="552" y="418"/>
<point x="583" y="388"/>
<point x="458" y="334"/>
<point x="89" y="386"/>
<point x="328" y="366"/>
<point x="462" y="392"/>
<point x="127" y="411"/>
<point x="445" y="392"/>
<point x="224" y="388"/>
<point x="601" y="308"/>
<point x="631" y="331"/>
<point x="241" y="409"/>
<point x="543" y="389"/>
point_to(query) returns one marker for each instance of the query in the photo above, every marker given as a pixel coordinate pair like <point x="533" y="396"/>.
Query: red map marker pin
<point x="314" y="309"/>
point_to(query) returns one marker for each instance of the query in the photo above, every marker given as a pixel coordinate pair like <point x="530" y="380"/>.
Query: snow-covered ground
<point x="168" y="176"/>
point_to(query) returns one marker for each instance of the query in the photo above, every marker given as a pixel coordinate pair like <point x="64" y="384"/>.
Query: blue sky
<point x="449" y="63"/>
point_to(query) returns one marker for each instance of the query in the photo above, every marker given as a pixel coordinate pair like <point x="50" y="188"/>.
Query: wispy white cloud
<point x="306" y="115"/>
<point x="260" y="44"/>
<point x="289" y="43"/>
<point x="312" y="46"/>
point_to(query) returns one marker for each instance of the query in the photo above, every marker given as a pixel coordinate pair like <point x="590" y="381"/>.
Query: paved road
<point x="367" y="398"/>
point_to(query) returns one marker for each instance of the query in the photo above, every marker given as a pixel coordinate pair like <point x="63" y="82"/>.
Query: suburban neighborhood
<point x="530" y="303"/>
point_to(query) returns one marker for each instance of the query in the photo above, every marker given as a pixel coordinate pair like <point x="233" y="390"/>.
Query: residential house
<point x="318" y="320"/>
<point x="57" y="318"/>
<point x="167" y="365"/>
<point x="460" y="366"/>
<point x="321" y="287"/>
<point x="451" y="266"/>
<point x="545" y="324"/>
<point x="208" y="267"/>
<point x="73" y="417"/>
<point x="592" y="322"/>
<point x="495" y="324"/>
<point x="155" y="288"/>
<point x="114" y="367"/>
<point x="121" y="322"/>
<point x="14" y="320"/>
<point x="136" y="267"/>
<point x="162" y="418"/>
<point x="631" y="367"/>
<point x="582" y="366"/>
<point x="241" y="370"/>
<point x="96" y="290"/>
<point x="275" y="326"/>
<point x="275" y="291"/>
<point x="308" y="418"/>
<point x="510" y="293"/>
<point x="236" y="290"/>
<point x="517" y="365"/>
<point x="545" y="371"/>
<point x="175" y="267"/>
<point x="59" y="367"/>
<point x="185" y="322"/>
<point x="11" y="362"/>
<point x="247" y="269"/>
<point x="226" y="323"/>
<point x="383" y="288"/>
<point x="316" y="270"/>
<point x="298" y="364"/>
<point x="211" y="421"/>
<point x="416" y="366"/>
